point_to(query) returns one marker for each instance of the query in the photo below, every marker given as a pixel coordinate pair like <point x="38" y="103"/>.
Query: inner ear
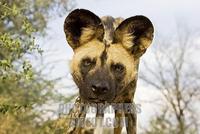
<point x="135" y="34"/>
<point x="80" y="26"/>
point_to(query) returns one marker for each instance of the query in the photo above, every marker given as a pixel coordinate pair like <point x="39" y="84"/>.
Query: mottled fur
<point x="106" y="57"/>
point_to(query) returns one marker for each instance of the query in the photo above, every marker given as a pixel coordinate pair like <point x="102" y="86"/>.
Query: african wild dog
<point x="106" y="58"/>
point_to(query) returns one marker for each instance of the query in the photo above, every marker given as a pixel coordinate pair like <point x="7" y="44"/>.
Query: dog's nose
<point x="100" y="88"/>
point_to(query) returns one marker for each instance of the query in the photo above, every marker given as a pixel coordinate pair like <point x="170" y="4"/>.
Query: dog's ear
<point x="81" y="26"/>
<point x="135" y="34"/>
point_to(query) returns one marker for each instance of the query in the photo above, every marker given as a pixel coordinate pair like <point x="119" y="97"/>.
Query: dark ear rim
<point x="141" y="28"/>
<point x="143" y="20"/>
<point x="81" y="13"/>
<point x="76" y="21"/>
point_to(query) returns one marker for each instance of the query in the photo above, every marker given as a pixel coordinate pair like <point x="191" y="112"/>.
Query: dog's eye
<point x="88" y="62"/>
<point x="119" y="68"/>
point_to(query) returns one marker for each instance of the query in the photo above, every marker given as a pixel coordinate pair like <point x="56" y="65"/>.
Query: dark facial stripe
<point x="103" y="56"/>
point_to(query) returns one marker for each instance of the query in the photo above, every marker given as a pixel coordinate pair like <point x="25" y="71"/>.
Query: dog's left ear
<point x="81" y="26"/>
<point x="135" y="34"/>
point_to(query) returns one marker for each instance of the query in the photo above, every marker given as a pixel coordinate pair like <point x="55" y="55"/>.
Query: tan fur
<point x="145" y="43"/>
<point x="127" y="40"/>
<point x="91" y="49"/>
<point x="116" y="54"/>
<point x="117" y="22"/>
<point x="87" y="34"/>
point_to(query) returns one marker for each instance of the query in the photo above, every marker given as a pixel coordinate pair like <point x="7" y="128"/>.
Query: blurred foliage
<point x="22" y="88"/>
<point x="58" y="126"/>
<point x="161" y="124"/>
<point x="175" y="75"/>
<point x="37" y="12"/>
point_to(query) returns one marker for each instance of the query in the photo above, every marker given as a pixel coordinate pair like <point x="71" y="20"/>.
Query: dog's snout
<point x="100" y="88"/>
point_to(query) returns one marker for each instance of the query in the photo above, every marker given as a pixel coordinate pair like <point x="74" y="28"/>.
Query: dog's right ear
<point x="81" y="26"/>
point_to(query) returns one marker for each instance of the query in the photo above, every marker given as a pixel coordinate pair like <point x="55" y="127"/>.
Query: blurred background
<point x="34" y="64"/>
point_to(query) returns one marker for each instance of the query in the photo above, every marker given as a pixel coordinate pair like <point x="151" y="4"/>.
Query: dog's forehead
<point x="110" y="24"/>
<point x="105" y="49"/>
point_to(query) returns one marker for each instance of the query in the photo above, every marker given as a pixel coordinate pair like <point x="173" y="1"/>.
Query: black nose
<point x="100" y="88"/>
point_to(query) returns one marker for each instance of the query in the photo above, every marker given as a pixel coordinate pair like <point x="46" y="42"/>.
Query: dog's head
<point x="104" y="69"/>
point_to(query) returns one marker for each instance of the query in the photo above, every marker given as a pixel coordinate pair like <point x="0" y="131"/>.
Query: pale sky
<point x="165" y="16"/>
